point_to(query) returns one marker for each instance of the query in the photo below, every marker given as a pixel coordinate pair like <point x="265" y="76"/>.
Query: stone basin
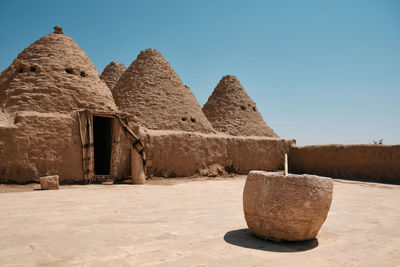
<point x="286" y="208"/>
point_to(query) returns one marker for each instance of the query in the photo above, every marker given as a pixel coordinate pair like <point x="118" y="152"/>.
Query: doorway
<point x="102" y="142"/>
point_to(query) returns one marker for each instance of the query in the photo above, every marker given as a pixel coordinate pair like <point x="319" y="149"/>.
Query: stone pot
<point x="286" y="208"/>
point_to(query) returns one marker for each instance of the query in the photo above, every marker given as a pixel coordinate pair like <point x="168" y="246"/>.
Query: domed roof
<point x="111" y="73"/>
<point x="155" y="97"/>
<point x="53" y="74"/>
<point x="231" y="110"/>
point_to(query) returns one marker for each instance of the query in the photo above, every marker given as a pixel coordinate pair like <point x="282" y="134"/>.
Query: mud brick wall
<point x="176" y="153"/>
<point x="375" y="163"/>
<point x="41" y="144"/>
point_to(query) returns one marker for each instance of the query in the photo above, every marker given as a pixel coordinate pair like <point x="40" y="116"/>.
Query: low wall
<point x="376" y="163"/>
<point x="175" y="153"/>
<point x="36" y="144"/>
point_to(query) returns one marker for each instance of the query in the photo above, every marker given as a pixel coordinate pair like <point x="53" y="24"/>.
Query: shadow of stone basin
<point x="244" y="238"/>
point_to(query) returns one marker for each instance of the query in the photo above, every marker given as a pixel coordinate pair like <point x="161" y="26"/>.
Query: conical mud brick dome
<point x="111" y="73"/>
<point x="155" y="97"/>
<point x="53" y="74"/>
<point x="231" y="110"/>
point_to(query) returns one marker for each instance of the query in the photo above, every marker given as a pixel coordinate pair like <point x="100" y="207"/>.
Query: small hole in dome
<point x="20" y="70"/>
<point x="32" y="69"/>
<point x="254" y="109"/>
<point x="69" y="71"/>
<point x="183" y="119"/>
<point x="192" y="119"/>
<point x="83" y="74"/>
<point x="243" y="107"/>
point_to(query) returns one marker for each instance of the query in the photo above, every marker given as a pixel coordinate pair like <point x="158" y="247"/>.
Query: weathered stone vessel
<point x="286" y="208"/>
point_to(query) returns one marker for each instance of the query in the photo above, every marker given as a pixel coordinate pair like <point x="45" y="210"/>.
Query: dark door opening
<point x="102" y="138"/>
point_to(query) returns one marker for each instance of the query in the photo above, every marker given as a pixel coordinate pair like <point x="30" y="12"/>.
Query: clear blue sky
<point x="321" y="72"/>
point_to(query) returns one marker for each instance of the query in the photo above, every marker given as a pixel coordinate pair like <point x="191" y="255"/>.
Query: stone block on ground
<point x="286" y="208"/>
<point x="49" y="182"/>
<point x="213" y="170"/>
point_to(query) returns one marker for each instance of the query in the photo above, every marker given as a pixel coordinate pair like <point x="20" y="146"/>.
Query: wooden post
<point x="286" y="164"/>
<point x="137" y="170"/>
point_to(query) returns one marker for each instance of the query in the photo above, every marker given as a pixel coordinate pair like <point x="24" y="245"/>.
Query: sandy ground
<point x="187" y="223"/>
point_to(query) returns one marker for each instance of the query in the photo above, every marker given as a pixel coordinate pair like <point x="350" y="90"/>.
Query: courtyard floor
<point x="187" y="223"/>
